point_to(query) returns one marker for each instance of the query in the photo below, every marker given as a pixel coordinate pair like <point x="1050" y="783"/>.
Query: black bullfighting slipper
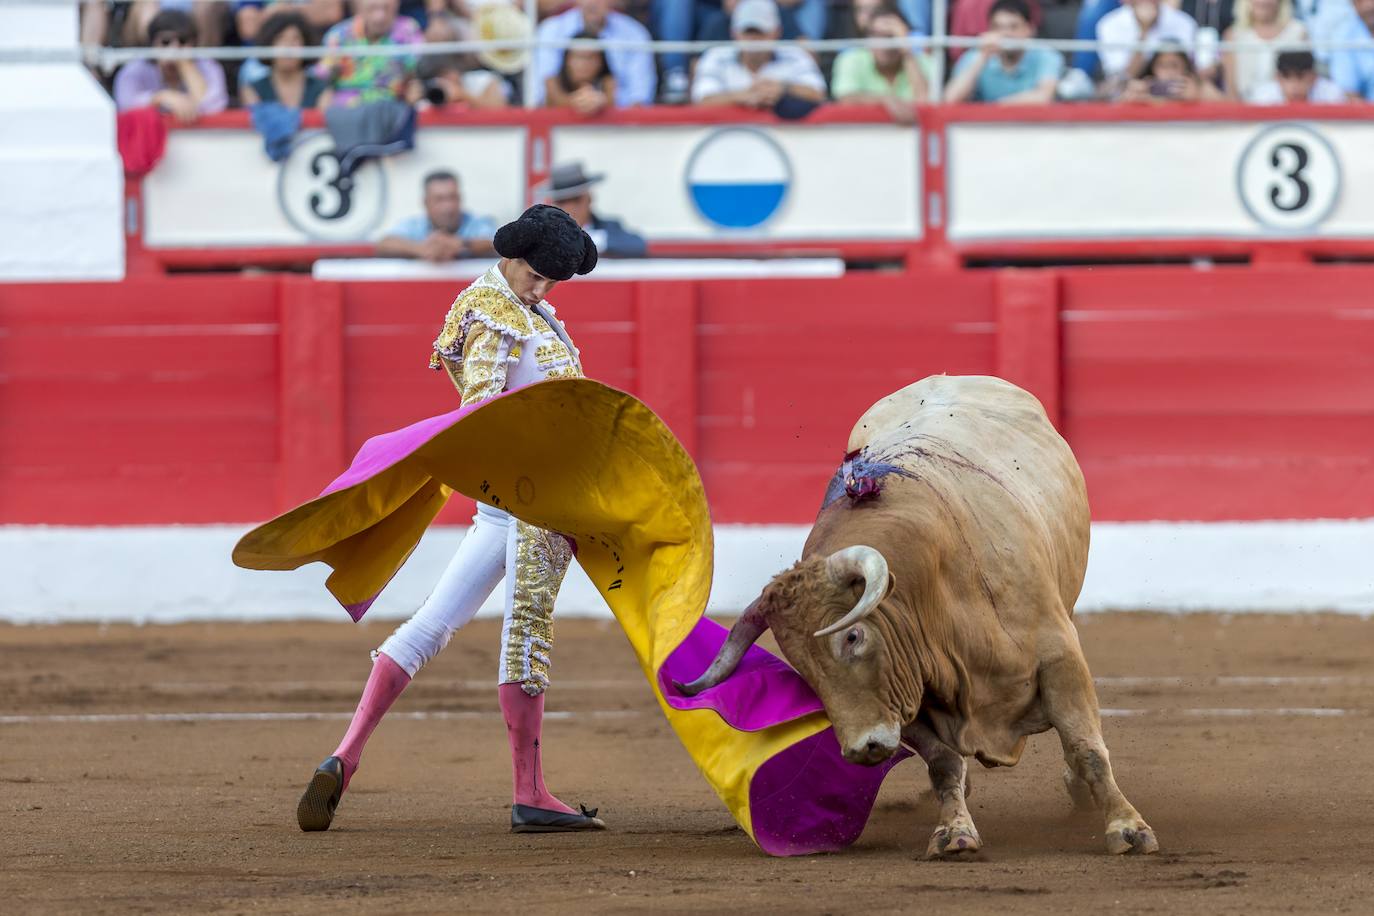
<point x="526" y="819"/>
<point x="316" y="808"/>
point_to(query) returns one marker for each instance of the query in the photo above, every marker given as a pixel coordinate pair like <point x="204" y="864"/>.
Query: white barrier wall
<point x="61" y="178"/>
<point x="103" y="574"/>
<point x="217" y="188"/>
<point x="1120" y="181"/>
<point x="832" y="181"/>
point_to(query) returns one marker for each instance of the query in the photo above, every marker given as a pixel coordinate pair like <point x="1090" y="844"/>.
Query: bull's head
<point x="817" y="610"/>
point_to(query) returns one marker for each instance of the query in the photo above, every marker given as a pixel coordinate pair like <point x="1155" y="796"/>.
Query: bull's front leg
<point x="948" y="774"/>
<point x="1070" y="702"/>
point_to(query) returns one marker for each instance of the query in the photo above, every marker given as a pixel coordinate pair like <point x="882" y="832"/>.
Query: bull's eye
<point x="852" y="637"/>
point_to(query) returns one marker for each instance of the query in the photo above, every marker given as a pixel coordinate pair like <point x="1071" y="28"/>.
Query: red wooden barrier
<point x="1234" y="393"/>
<point x="1228" y="394"/>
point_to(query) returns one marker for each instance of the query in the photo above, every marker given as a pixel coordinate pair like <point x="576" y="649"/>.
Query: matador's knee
<point x="541" y="560"/>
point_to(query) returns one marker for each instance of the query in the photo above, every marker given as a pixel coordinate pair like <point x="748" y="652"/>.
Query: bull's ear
<point x="891" y="584"/>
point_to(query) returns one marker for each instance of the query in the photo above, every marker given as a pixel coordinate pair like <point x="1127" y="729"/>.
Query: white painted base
<point x="174" y="574"/>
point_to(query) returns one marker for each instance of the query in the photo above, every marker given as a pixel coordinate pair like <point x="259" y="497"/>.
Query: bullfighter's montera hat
<point x="549" y="240"/>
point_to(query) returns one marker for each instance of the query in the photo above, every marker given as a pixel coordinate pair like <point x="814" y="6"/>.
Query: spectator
<point x="1264" y="26"/>
<point x="970" y="17"/>
<point x="455" y="79"/>
<point x="1169" y="76"/>
<point x="1089" y="15"/>
<point x="1140" y="21"/>
<point x="1325" y="21"/>
<point x="444" y="79"/>
<point x="207" y="15"/>
<point x="447" y="20"/>
<point x="186" y="88"/>
<point x="570" y="190"/>
<point x="635" y="79"/>
<point x="917" y="13"/>
<point x="249" y="15"/>
<point x="1353" y="70"/>
<point x="288" y="81"/>
<point x="894" y="77"/>
<point x="584" y="83"/>
<point x="713" y="20"/>
<point x="786" y="80"/>
<point x="1297" y="83"/>
<point x="1213" y="18"/>
<point x="994" y="73"/>
<point x="357" y="77"/>
<point x="445" y="232"/>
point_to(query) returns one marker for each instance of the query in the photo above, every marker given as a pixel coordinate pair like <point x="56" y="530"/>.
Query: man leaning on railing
<point x="785" y="81"/>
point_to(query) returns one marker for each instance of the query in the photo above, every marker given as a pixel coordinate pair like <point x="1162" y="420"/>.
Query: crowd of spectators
<point x="1182" y="62"/>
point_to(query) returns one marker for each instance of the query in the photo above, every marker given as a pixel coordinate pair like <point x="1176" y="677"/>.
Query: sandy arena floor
<point x="134" y="776"/>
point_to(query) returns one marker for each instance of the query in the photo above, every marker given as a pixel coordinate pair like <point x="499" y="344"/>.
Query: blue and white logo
<point x="738" y="178"/>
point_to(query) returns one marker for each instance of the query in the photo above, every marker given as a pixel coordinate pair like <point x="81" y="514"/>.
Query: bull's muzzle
<point x="874" y="746"/>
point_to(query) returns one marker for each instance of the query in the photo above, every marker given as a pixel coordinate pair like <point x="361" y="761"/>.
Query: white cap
<point x="758" y="15"/>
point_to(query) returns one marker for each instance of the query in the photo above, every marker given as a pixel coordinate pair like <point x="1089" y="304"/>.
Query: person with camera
<point x="1169" y="76"/>
<point x="445" y="232"/>
<point x="1136" y="22"/>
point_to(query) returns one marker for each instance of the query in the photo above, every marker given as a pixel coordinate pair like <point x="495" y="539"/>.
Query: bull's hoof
<point x="1131" y="836"/>
<point x="958" y="840"/>
<point x="1079" y="793"/>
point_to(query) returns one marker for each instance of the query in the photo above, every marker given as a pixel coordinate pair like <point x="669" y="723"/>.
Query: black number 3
<point x="1293" y="158"/>
<point x="332" y="197"/>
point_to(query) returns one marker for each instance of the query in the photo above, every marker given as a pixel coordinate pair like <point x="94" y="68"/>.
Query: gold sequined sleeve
<point x="483" y="373"/>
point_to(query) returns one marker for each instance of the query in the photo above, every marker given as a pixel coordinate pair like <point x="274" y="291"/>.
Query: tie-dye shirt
<point x="362" y="78"/>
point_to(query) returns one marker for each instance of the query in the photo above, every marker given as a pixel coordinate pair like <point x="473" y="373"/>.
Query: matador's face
<point x="527" y="283"/>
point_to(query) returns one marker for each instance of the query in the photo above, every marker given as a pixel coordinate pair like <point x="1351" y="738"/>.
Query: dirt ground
<point x="1246" y="741"/>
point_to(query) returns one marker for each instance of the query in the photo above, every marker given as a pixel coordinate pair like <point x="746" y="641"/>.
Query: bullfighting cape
<point x="595" y="464"/>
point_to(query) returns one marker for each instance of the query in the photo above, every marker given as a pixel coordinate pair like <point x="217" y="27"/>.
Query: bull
<point x="933" y="602"/>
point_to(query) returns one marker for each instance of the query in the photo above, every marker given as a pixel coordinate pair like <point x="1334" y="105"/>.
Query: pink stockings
<point x="524" y="718"/>
<point x="523" y="713"/>
<point x="384" y="685"/>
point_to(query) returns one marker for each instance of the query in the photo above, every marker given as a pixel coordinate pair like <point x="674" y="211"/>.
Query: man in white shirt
<point x="1135" y="21"/>
<point x="781" y="79"/>
<point x="1297" y="83"/>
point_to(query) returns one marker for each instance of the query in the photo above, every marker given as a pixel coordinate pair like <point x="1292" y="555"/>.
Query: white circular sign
<point x="322" y="202"/>
<point x="738" y="178"/>
<point x="1289" y="177"/>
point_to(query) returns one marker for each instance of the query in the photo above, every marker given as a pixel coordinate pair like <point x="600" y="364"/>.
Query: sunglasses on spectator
<point x="168" y="39"/>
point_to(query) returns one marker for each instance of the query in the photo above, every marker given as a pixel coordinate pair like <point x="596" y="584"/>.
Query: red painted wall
<point x="1240" y="393"/>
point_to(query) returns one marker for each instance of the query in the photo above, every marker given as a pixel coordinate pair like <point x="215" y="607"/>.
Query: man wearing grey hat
<point x="570" y="189"/>
<point x="786" y="80"/>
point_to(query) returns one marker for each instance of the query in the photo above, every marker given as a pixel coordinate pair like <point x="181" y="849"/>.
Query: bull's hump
<point x="929" y="404"/>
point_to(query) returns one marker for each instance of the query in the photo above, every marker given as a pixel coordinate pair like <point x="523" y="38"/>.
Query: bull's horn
<point x="743" y="634"/>
<point x="843" y="566"/>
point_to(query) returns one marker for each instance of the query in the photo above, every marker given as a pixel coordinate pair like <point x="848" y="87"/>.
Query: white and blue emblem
<point x="738" y="178"/>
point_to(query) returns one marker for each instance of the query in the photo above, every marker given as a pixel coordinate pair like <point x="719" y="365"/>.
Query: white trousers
<point x="487" y="554"/>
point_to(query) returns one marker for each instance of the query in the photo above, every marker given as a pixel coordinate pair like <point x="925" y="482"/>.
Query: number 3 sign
<point x="1289" y="177"/>
<point x="319" y="201"/>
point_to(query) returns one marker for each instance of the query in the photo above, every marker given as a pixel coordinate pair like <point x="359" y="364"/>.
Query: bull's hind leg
<point x="1070" y="702"/>
<point x="949" y="775"/>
